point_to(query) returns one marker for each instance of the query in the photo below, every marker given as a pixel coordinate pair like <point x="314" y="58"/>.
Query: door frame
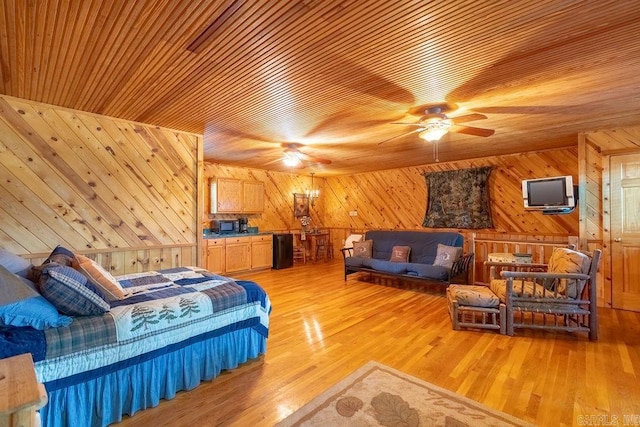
<point x="607" y="265"/>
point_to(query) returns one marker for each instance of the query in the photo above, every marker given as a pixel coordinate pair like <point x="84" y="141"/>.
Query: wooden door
<point x="625" y="231"/>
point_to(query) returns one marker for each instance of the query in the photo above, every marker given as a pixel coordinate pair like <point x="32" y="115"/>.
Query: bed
<point x="171" y="330"/>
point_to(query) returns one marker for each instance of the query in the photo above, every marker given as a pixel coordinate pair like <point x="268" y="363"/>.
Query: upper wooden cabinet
<point x="252" y="196"/>
<point x="230" y="195"/>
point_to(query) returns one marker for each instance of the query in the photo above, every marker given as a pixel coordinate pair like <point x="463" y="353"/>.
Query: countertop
<point x="224" y="235"/>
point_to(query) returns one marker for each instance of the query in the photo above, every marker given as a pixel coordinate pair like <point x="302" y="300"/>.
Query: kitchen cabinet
<point x="252" y="196"/>
<point x="261" y="251"/>
<point x="223" y="255"/>
<point x="230" y="195"/>
<point x="237" y="254"/>
<point x="215" y="255"/>
<point x="226" y="195"/>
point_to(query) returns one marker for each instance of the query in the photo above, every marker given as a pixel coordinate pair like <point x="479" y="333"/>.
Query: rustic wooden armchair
<point x="558" y="296"/>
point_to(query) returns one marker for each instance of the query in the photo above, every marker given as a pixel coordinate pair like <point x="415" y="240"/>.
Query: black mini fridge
<point x="282" y="251"/>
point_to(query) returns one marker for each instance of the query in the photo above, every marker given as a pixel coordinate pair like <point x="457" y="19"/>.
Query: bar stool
<point x="299" y="250"/>
<point x="299" y="254"/>
<point x="324" y="248"/>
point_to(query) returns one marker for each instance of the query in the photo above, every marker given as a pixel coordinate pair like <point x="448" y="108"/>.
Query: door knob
<point x="617" y="239"/>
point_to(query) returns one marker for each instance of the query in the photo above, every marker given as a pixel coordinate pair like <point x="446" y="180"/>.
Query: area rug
<point x="377" y="395"/>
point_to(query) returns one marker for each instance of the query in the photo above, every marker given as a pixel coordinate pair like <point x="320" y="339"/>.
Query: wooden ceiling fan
<point x="434" y="123"/>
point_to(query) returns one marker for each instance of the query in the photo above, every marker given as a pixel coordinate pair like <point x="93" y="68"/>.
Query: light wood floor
<point x="323" y="328"/>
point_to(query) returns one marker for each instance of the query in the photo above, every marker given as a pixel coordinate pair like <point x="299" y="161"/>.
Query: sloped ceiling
<point x="333" y="76"/>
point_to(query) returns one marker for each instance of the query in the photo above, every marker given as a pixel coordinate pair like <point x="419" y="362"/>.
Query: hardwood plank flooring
<point x="323" y="328"/>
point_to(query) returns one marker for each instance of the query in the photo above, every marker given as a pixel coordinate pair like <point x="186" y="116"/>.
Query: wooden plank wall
<point x="396" y="199"/>
<point x="122" y="192"/>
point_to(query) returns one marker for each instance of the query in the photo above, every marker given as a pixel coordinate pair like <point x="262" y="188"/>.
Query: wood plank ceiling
<point x="332" y="75"/>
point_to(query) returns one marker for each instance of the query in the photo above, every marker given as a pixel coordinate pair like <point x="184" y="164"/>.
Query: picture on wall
<point x="300" y="205"/>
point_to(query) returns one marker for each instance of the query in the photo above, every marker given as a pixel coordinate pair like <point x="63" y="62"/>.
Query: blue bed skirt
<point x="104" y="400"/>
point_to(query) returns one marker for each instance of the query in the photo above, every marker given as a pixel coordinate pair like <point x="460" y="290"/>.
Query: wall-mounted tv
<point x="554" y="193"/>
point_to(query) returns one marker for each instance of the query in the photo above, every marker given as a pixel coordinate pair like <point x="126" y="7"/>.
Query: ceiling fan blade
<point x="468" y="130"/>
<point x="311" y="159"/>
<point x="467" y="118"/>
<point x="401" y="135"/>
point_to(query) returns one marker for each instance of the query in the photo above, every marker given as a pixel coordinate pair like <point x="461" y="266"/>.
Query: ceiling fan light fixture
<point x="434" y="130"/>
<point x="290" y="159"/>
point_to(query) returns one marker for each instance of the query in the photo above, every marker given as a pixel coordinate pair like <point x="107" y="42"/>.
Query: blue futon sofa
<point x="421" y="263"/>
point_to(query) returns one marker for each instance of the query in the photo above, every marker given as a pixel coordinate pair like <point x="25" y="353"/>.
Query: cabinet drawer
<point x="231" y="240"/>
<point x="215" y="242"/>
<point x="262" y="238"/>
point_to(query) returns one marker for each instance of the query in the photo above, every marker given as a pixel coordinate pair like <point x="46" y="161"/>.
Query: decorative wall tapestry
<point x="458" y="199"/>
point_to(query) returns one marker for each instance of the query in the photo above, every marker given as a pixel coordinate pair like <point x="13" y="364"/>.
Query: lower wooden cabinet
<point x="215" y="255"/>
<point x="261" y="251"/>
<point x="237" y="254"/>
<point x="234" y="254"/>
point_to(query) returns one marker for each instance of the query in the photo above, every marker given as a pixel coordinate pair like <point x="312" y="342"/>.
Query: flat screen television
<point x="552" y="193"/>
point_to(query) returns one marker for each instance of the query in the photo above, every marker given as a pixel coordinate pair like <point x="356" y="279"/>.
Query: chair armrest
<point x="540" y="275"/>
<point x="346" y="252"/>
<point x="497" y="267"/>
<point x="461" y="266"/>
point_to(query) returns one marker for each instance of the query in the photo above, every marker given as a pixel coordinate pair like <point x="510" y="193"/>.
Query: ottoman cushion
<point x="473" y="295"/>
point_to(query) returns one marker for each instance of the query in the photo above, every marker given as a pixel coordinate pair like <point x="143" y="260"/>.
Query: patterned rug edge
<point x="324" y="399"/>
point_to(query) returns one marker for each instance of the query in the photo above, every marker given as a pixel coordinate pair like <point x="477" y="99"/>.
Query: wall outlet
<point x="353" y="213"/>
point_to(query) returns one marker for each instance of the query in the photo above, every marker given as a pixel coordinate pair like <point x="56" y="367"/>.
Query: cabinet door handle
<point x="617" y="239"/>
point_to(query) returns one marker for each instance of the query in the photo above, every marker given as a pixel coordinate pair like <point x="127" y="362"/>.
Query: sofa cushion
<point x="400" y="254"/>
<point x="363" y="249"/>
<point x="447" y="255"/>
<point x="528" y="290"/>
<point x="474" y="295"/>
<point x="565" y="260"/>
<point x="423" y="244"/>
<point x="358" y="261"/>
<point x="388" y="266"/>
<point x="435" y="272"/>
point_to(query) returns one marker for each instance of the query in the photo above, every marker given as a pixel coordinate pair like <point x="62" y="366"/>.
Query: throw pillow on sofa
<point x="363" y="249"/>
<point x="447" y="255"/>
<point x="400" y="254"/>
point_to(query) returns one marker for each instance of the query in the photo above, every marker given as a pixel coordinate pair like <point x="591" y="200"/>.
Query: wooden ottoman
<point x="475" y="306"/>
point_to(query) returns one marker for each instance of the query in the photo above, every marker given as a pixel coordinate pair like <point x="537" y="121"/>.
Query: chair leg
<point x="509" y="320"/>
<point x="503" y="319"/>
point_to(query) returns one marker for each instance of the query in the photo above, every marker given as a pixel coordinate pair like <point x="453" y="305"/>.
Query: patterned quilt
<point x="162" y="308"/>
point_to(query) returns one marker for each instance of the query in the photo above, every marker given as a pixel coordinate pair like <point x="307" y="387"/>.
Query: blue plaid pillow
<point x="70" y="292"/>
